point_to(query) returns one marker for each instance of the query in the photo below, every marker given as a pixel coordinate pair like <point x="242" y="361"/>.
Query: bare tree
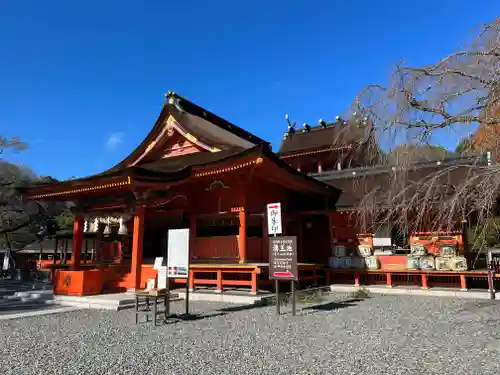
<point x="23" y="222"/>
<point x="458" y="97"/>
<point x="11" y="144"/>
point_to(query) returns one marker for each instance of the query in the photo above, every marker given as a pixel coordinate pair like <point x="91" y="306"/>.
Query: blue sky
<point x="83" y="81"/>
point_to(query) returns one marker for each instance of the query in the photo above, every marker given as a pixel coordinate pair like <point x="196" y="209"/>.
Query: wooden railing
<point x="222" y="276"/>
<point x="424" y="279"/>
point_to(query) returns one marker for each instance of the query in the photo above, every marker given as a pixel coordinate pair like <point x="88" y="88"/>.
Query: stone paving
<point x="340" y="335"/>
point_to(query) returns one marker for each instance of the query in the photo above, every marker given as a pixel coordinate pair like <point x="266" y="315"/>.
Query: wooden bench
<point x="156" y="295"/>
<point x="218" y="271"/>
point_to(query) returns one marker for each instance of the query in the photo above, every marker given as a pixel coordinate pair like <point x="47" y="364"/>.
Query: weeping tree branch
<point x="458" y="97"/>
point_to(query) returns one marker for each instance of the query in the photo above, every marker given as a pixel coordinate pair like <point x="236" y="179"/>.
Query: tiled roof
<point x="379" y="181"/>
<point x="334" y="136"/>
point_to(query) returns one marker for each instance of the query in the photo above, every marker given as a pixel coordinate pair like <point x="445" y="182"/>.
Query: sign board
<point x="382" y="241"/>
<point x="162" y="277"/>
<point x="283" y="258"/>
<point x="274" y="218"/>
<point x="178" y="253"/>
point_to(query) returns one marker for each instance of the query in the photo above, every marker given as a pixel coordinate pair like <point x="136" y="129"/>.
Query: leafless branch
<point x="457" y="97"/>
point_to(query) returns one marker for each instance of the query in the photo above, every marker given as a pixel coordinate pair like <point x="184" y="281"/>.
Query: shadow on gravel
<point x="243" y="307"/>
<point x="330" y="306"/>
<point x="192" y="317"/>
<point x="23" y="308"/>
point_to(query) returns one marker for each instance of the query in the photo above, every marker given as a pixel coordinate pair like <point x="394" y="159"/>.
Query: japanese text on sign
<point x="274" y="218"/>
<point x="283" y="258"/>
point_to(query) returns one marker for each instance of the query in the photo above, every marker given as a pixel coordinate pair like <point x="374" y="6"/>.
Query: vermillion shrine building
<point x="196" y="170"/>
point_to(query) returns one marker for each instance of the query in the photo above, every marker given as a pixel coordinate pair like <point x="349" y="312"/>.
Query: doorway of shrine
<point x="156" y="229"/>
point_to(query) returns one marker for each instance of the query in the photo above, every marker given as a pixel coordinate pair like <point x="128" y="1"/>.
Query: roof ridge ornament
<point x="291" y="127"/>
<point x="173" y="99"/>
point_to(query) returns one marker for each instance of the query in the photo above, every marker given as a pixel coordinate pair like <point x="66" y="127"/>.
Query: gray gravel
<point x="382" y="335"/>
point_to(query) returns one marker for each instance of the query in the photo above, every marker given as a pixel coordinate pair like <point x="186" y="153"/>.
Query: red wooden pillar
<point x="76" y="246"/>
<point x="137" y="242"/>
<point x="254" y="283"/>
<point x="356" y="279"/>
<point x="463" y="283"/>
<point x="242" y="238"/>
<point x="425" y="284"/>
<point x="219" y="281"/>
<point x="389" y="279"/>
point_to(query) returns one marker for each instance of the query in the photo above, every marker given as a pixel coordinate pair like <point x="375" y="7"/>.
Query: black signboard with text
<point x="283" y="258"/>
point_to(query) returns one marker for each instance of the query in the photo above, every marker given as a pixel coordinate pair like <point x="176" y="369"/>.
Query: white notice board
<point x="274" y="218"/>
<point x="162" y="277"/>
<point x="158" y="263"/>
<point x="178" y="253"/>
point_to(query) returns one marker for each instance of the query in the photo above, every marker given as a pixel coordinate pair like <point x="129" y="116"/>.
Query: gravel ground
<point x="381" y="335"/>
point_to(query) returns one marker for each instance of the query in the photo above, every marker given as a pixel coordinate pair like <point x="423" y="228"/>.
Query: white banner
<point x="178" y="253"/>
<point x="274" y="218"/>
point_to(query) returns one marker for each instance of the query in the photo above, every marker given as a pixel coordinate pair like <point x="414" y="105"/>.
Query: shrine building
<point x="193" y="170"/>
<point x="196" y="170"/>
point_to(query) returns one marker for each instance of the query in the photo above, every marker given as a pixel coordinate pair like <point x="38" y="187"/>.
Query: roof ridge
<point x="210" y="116"/>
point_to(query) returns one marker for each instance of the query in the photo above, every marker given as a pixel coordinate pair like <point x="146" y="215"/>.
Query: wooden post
<point x="65" y="254"/>
<point x="425" y="285"/>
<point x="99" y="240"/>
<point x="86" y="251"/>
<point x="491" y="283"/>
<point x="331" y="232"/>
<point x="56" y="245"/>
<point x="219" y="281"/>
<point x="94" y="248"/>
<point x="76" y="246"/>
<point x="314" y="276"/>
<point x="463" y="283"/>
<point x="137" y="242"/>
<point x="389" y="279"/>
<point x="356" y="279"/>
<point x="254" y="283"/>
<point x="242" y="238"/>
